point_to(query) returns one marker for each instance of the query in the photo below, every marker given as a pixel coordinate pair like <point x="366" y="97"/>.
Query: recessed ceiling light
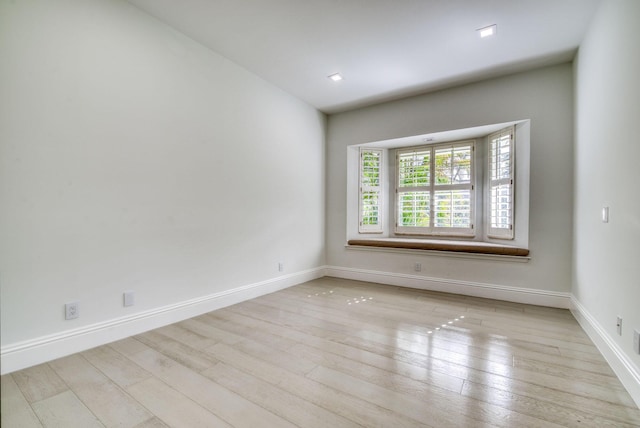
<point x="336" y="77"/>
<point x="488" y="31"/>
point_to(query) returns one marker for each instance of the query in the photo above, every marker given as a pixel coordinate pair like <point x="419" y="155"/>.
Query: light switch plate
<point x="129" y="298"/>
<point x="619" y="326"/>
<point x="605" y="214"/>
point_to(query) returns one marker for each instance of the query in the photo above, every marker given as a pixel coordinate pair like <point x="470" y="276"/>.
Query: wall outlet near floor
<point x="280" y="267"/>
<point x="129" y="298"/>
<point x="417" y="267"/>
<point x="636" y="341"/>
<point x="71" y="310"/>
<point x="619" y="326"/>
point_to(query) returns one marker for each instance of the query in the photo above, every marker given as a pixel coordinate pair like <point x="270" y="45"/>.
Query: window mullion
<point x="432" y="180"/>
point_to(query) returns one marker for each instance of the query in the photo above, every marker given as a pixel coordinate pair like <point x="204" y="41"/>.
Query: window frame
<point x="432" y="188"/>
<point x="522" y="172"/>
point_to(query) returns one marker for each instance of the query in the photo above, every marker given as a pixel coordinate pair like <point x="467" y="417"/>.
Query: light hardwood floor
<point x="335" y="353"/>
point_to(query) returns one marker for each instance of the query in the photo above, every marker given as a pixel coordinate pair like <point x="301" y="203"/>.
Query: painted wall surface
<point x="132" y="158"/>
<point x="606" y="269"/>
<point x="545" y="96"/>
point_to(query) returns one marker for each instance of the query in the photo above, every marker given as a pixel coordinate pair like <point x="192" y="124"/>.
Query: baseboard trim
<point x="477" y="289"/>
<point x="624" y="368"/>
<point x="40" y="350"/>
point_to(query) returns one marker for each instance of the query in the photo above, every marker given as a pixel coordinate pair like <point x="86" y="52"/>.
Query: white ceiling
<point x="385" y="49"/>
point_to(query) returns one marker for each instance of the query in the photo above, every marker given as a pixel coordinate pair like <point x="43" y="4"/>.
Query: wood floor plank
<point x="152" y="423"/>
<point x="245" y="332"/>
<point x="193" y="358"/>
<point x="105" y="399"/>
<point x="567" y="372"/>
<point x="275" y="356"/>
<point x="39" y="382"/>
<point x="366" y="363"/>
<point x="187" y="337"/>
<point x="543" y="409"/>
<point x="210" y="330"/>
<point x="15" y="411"/>
<point x="172" y="407"/>
<point x="350" y="407"/>
<point x="117" y="367"/>
<point x="65" y="410"/>
<point x="129" y="346"/>
<point x="227" y="405"/>
<point x="277" y="400"/>
<point x="399" y="403"/>
<point x="600" y="367"/>
<point x="442" y="403"/>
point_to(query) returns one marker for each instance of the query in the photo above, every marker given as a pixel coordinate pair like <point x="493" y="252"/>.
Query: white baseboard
<point x="40" y="350"/>
<point x="490" y="291"/>
<point x="624" y="368"/>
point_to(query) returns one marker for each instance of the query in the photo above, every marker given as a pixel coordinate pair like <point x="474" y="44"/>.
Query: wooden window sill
<point x="472" y="247"/>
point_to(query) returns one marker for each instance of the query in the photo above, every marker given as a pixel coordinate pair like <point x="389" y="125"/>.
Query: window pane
<point x="370" y="172"/>
<point x="501" y="214"/>
<point x="370" y="218"/>
<point x="370" y="204"/>
<point x="413" y="209"/>
<point x="500" y="155"/>
<point x="452" y="208"/>
<point x="414" y="168"/>
<point x="453" y="165"/>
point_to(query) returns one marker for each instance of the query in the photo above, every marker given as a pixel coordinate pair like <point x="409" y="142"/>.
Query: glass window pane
<point x="443" y="166"/>
<point x="500" y="156"/>
<point x="501" y="214"/>
<point x="413" y="209"/>
<point x="452" y="208"/>
<point x="414" y="169"/>
<point x="370" y="208"/>
<point x="453" y="165"/>
<point x="370" y="168"/>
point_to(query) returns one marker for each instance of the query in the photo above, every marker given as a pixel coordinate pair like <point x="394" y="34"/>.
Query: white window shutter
<point x="501" y="184"/>
<point x="370" y="192"/>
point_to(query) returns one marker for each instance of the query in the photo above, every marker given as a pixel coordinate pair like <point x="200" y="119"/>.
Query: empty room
<point x="321" y="213"/>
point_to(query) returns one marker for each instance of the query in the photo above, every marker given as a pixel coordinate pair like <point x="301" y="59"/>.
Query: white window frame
<point x="432" y="188"/>
<point x="499" y="227"/>
<point x="366" y="188"/>
<point x="521" y="173"/>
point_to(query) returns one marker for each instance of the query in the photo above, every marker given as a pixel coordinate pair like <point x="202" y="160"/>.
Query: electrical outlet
<point x="281" y="267"/>
<point x="636" y="341"/>
<point x="71" y="310"/>
<point x="129" y="298"/>
<point x="619" y="326"/>
<point x="418" y="267"/>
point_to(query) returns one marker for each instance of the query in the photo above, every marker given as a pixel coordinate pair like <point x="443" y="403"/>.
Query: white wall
<point x="134" y="158"/>
<point x="606" y="271"/>
<point x="545" y="96"/>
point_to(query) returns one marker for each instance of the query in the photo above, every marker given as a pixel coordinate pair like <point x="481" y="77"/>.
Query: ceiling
<point x="384" y="49"/>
